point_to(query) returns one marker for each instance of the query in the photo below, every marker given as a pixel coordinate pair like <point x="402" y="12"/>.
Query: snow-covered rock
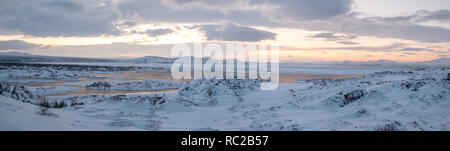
<point x="146" y="85"/>
<point x="204" y="91"/>
<point x="48" y="90"/>
<point x="382" y="101"/>
<point x="19" y="93"/>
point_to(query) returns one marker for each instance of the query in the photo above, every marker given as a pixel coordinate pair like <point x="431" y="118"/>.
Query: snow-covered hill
<point x="436" y="62"/>
<point x="151" y="59"/>
<point x="404" y="100"/>
<point x="390" y="100"/>
<point x="147" y="85"/>
<point x="15" y="57"/>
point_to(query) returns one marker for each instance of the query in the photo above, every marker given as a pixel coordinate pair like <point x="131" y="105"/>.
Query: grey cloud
<point x="348" y="43"/>
<point x="413" y="49"/>
<point x="419" y="16"/>
<point x="301" y="10"/>
<point x="234" y="32"/>
<point x="332" y="36"/>
<point x="293" y="9"/>
<point x="66" y="5"/>
<point x="396" y="47"/>
<point x="248" y="12"/>
<point x="16" y="45"/>
<point x="441" y="15"/>
<point x="409" y="53"/>
<point x="129" y="24"/>
<point x="367" y="27"/>
<point x="58" y="18"/>
<point x="159" y="32"/>
<point x="387" y="48"/>
<point x="76" y="18"/>
<point x="329" y="15"/>
<point x="159" y="11"/>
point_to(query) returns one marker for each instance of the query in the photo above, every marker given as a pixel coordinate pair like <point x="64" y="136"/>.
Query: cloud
<point x="66" y="5"/>
<point x="247" y="12"/>
<point x="45" y="18"/>
<point x="332" y="36"/>
<point x="159" y="32"/>
<point x="67" y="18"/>
<point x="301" y="10"/>
<point x="16" y="45"/>
<point x="340" y="38"/>
<point x="419" y="16"/>
<point x="368" y="27"/>
<point x="396" y="47"/>
<point x="444" y="56"/>
<point x="409" y="53"/>
<point x="195" y="11"/>
<point x="235" y="32"/>
<point x="348" y="43"/>
<point x="325" y="15"/>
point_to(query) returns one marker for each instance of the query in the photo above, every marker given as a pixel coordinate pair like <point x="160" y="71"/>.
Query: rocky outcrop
<point x="343" y="99"/>
<point x="145" y="85"/>
<point x="99" y="85"/>
<point x="353" y="96"/>
<point x="203" y="91"/>
<point x="17" y="92"/>
<point x="414" y="85"/>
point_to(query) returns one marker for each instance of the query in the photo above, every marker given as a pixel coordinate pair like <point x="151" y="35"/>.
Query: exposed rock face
<point x="154" y="100"/>
<point x="17" y="92"/>
<point x="413" y="85"/>
<point x="135" y="85"/>
<point x="353" y="96"/>
<point x="343" y="99"/>
<point x="203" y="91"/>
<point x="99" y="85"/>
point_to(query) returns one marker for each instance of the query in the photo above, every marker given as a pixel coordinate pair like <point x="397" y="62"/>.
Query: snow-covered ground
<point x="46" y="90"/>
<point x="135" y="85"/>
<point x="71" y="72"/>
<point x="392" y="100"/>
<point x="334" y="69"/>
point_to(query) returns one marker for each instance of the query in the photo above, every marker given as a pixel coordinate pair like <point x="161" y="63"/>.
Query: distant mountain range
<point x="25" y="57"/>
<point x="445" y="62"/>
<point x="376" y="62"/>
<point x="17" y="57"/>
<point x="150" y="59"/>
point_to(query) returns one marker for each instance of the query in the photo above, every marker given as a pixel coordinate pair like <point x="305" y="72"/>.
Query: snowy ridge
<point x="135" y="85"/>
<point x="19" y="93"/>
<point x="389" y="100"/>
<point x="151" y="59"/>
<point x="206" y="91"/>
<point x="46" y="90"/>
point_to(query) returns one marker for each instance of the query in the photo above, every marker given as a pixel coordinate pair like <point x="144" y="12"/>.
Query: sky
<point x="305" y="30"/>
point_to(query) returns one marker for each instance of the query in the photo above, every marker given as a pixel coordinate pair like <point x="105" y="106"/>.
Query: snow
<point x="135" y="85"/>
<point x="69" y="72"/>
<point x="333" y="69"/>
<point x="152" y="60"/>
<point x="318" y="105"/>
<point x="46" y="90"/>
<point x="390" y="100"/>
<point x="17" y="115"/>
